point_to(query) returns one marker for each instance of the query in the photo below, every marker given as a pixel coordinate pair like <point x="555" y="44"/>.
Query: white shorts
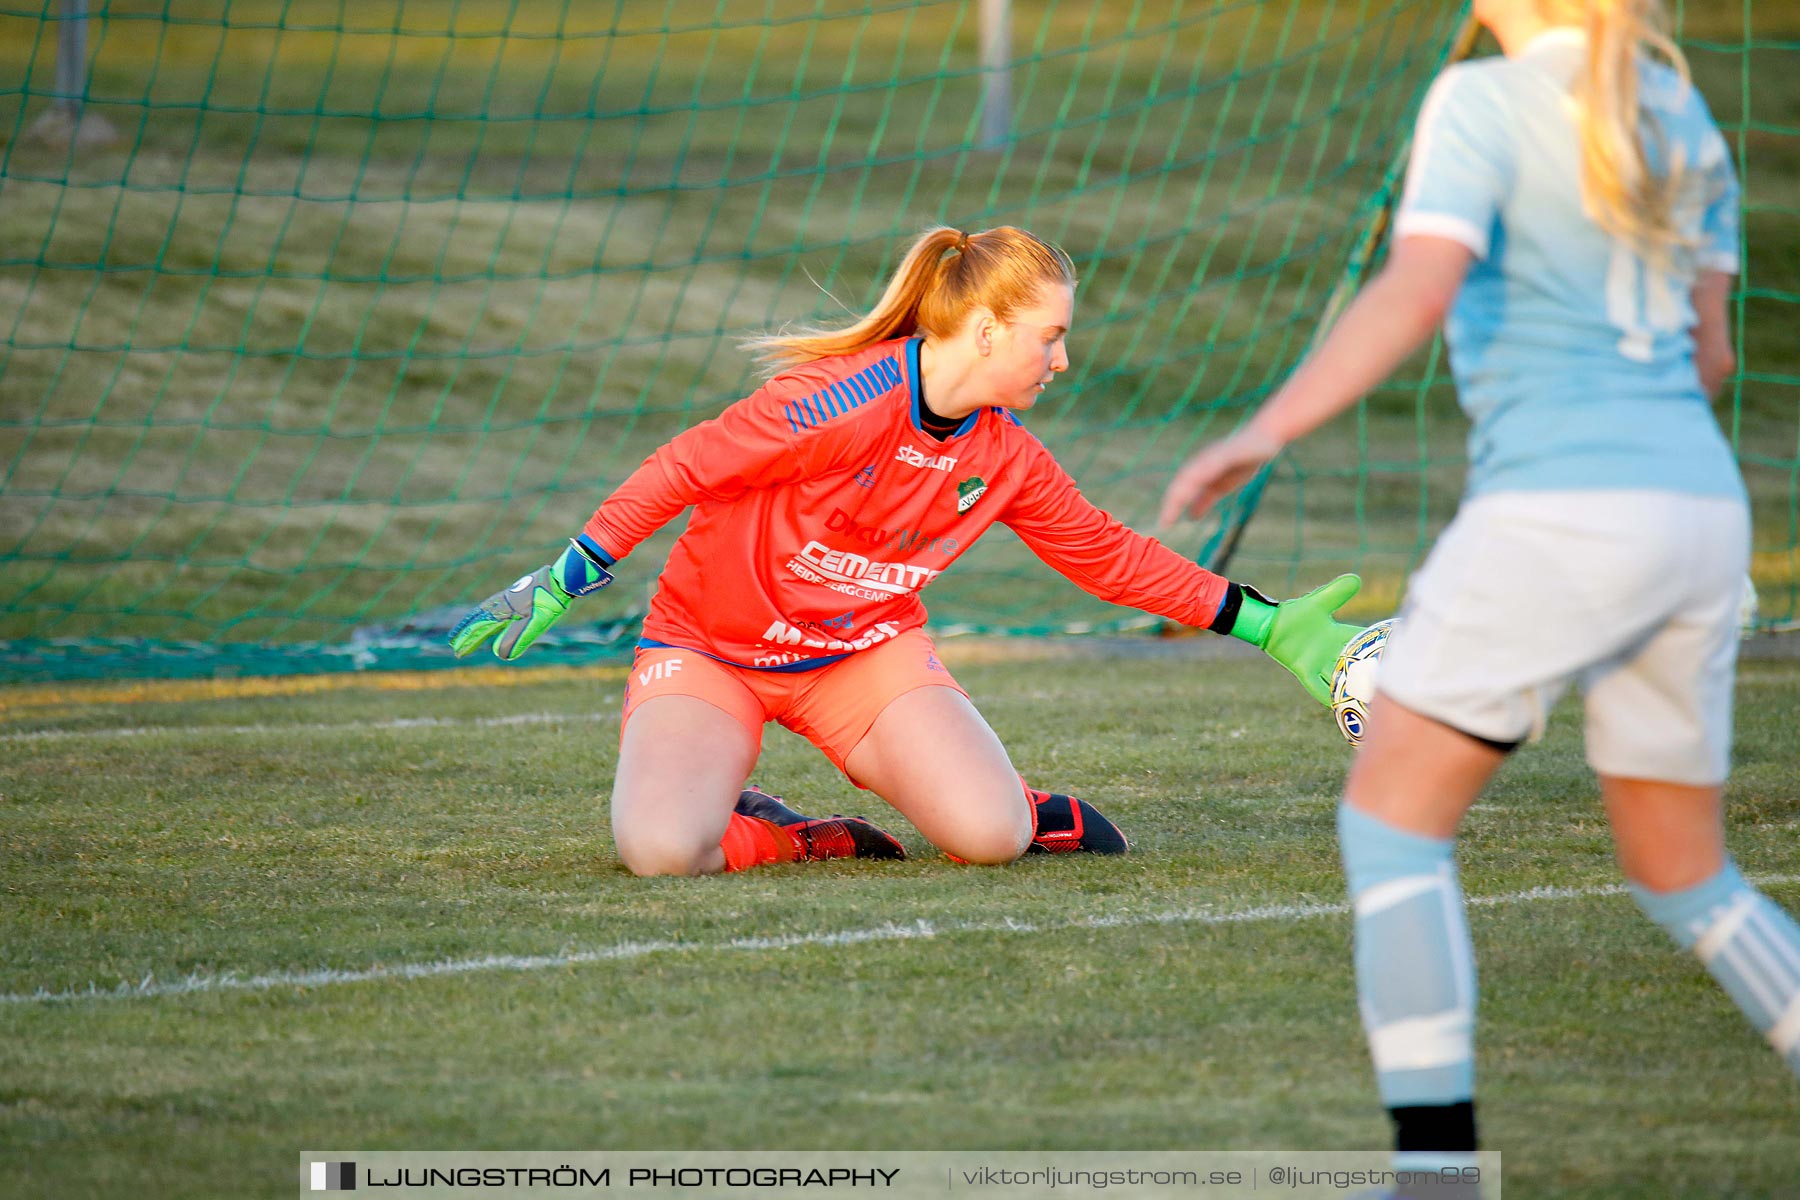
<point x="1634" y="594"/>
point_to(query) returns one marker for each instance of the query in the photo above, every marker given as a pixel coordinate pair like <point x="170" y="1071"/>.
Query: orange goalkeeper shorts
<point x="833" y="707"/>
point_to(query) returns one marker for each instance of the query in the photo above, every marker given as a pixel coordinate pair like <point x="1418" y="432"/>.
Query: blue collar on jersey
<point x="916" y="382"/>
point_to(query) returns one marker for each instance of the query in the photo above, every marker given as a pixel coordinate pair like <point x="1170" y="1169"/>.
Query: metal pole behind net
<point x="996" y="72"/>
<point x="71" y="56"/>
<point x="64" y="123"/>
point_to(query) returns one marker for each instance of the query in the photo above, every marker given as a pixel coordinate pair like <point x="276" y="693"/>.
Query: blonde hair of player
<point x="945" y="276"/>
<point x="1620" y="189"/>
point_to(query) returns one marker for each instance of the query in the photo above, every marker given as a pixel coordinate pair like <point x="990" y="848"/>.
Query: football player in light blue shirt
<point x="1570" y="217"/>
<point x="1571" y="346"/>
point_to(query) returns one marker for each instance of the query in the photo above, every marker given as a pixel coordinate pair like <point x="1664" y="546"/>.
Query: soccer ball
<point x="1353" y="682"/>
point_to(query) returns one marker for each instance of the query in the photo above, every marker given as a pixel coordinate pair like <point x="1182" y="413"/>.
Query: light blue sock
<point x="1748" y="944"/>
<point x="1415" y="966"/>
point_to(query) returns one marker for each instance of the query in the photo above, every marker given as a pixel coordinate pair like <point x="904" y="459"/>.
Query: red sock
<point x="752" y="841"/>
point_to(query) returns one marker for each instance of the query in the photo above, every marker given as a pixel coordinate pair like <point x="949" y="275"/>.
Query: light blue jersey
<point x="1573" y="356"/>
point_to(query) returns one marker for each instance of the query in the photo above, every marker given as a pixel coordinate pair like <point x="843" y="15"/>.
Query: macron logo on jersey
<point x="843" y="396"/>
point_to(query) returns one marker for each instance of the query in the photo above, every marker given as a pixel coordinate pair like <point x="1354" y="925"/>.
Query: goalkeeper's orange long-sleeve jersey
<point x="822" y="509"/>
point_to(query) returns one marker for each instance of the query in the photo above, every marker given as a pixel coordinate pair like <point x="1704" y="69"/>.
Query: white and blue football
<point x="1353" y="682"/>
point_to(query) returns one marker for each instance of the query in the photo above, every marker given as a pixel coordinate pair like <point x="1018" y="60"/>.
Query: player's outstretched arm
<point x="1301" y="634"/>
<point x="1391" y="318"/>
<point x="518" y="616"/>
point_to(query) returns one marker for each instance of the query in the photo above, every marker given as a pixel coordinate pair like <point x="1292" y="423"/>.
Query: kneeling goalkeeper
<point x="824" y="503"/>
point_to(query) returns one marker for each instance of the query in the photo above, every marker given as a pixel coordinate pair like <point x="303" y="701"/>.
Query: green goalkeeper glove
<point x="521" y="613"/>
<point x="1300" y="634"/>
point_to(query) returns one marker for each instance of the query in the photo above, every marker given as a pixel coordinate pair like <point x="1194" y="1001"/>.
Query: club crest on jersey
<point x="866" y="476"/>
<point x="969" y="491"/>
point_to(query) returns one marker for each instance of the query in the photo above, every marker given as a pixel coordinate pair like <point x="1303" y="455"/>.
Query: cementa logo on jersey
<point x="870" y="576"/>
<point x="859" y="575"/>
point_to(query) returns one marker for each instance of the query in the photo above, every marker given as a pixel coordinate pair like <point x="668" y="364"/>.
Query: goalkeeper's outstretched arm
<point x="1108" y="559"/>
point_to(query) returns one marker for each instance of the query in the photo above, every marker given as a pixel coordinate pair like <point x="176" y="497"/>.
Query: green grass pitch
<point x="267" y="863"/>
<point x="385" y="911"/>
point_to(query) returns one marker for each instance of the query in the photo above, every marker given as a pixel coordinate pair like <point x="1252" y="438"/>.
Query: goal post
<point x="365" y="307"/>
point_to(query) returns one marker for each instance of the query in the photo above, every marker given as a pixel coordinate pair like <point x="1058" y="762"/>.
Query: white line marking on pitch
<point x="149" y="988"/>
<point x="541" y="718"/>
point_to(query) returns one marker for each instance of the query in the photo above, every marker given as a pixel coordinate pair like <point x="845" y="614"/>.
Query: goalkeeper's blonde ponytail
<point x="945" y="275"/>
<point x="1620" y="188"/>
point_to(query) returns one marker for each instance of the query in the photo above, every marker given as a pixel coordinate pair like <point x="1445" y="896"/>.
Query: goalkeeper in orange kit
<point x="824" y="503"/>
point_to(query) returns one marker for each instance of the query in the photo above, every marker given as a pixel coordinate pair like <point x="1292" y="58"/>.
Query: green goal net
<point x="321" y="321"/>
